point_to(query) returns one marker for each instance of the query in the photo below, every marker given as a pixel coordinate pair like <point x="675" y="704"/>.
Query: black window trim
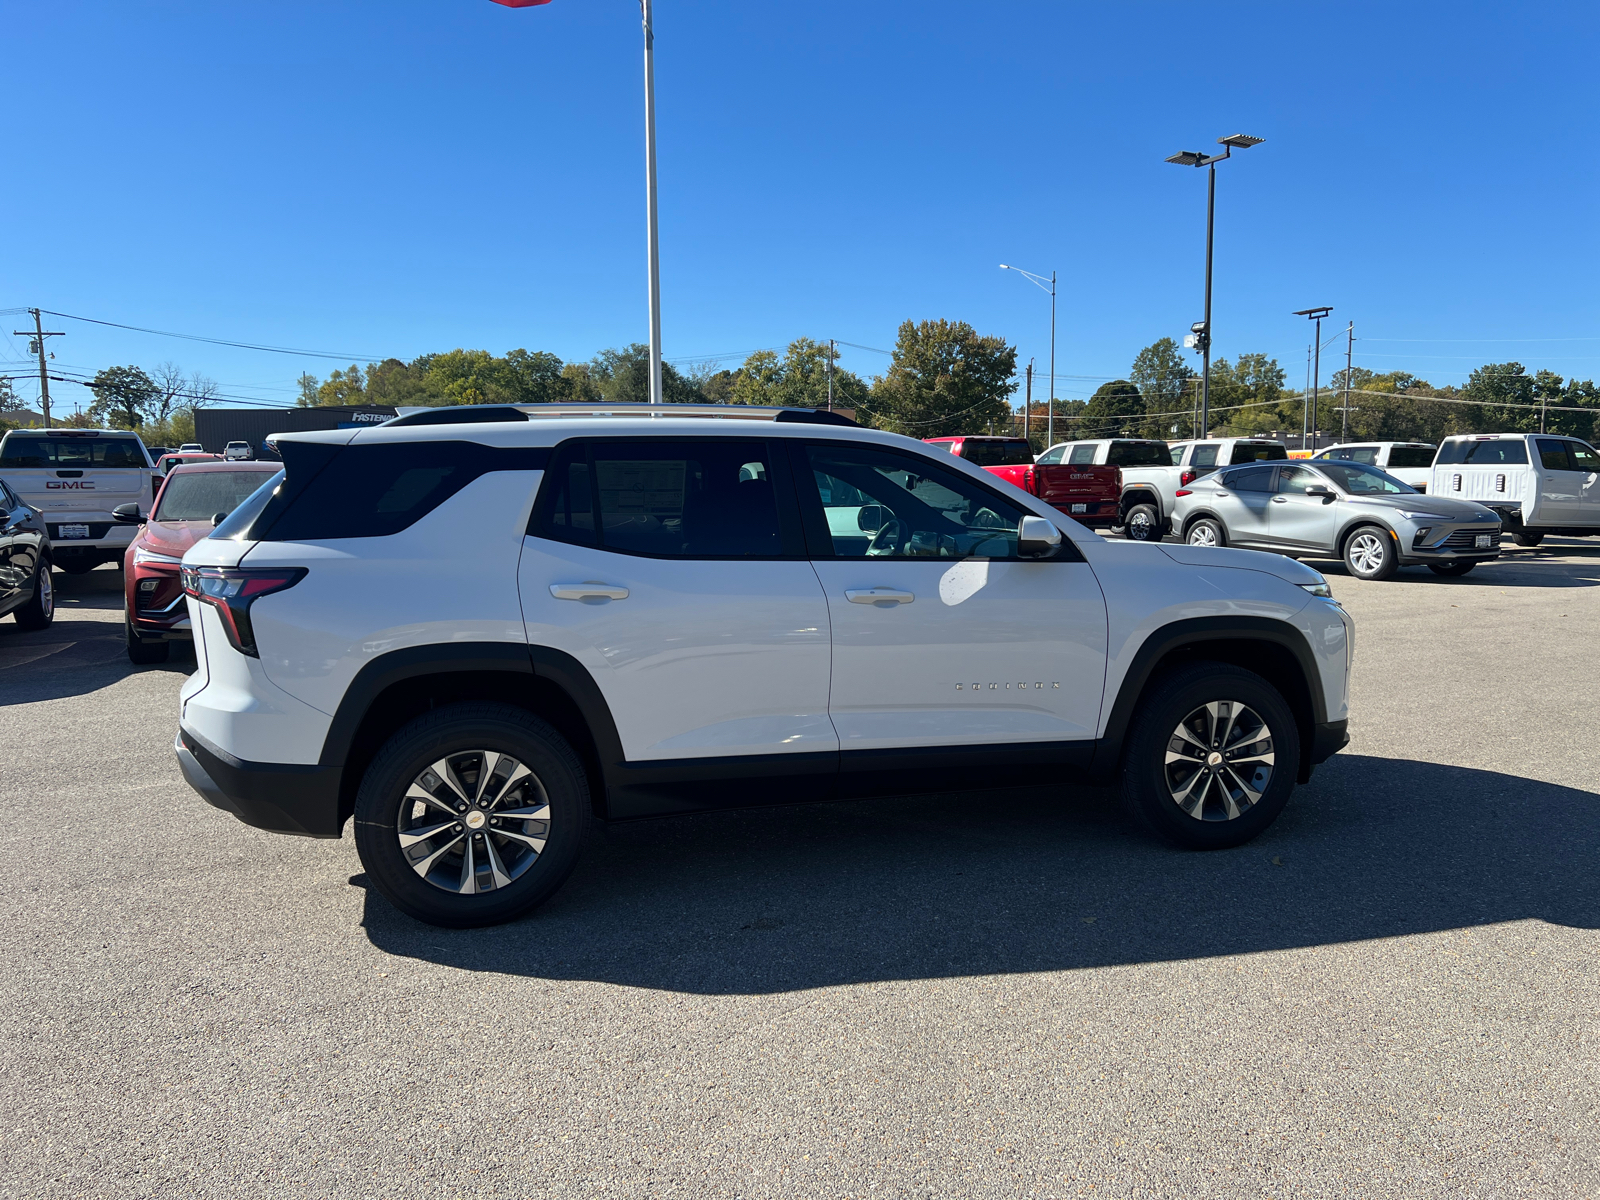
<point x="820" y="541"/>
<point x="783" y="495"/>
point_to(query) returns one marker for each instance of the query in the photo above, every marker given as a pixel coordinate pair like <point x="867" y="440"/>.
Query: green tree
<point x="308" y="385"/>
<point x="798" y="380"/>
<point x="397" y="383"/>
<point x="343" y="388"/>
<point x="1115" y="410"/>
<point x="578" y="385"/>
<point x="944" y="379"/>
<point x="623" y="377"/>
<point x="1164" y="380"/>
<point x="124" y="397"/>
<point x="1247" y="396"/>
<point x="9" y="400"/>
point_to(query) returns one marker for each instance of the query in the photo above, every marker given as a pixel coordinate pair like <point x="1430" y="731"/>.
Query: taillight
<point x="1185" y="478"/>
<point x="1183" y="492"/>
<point x="232" y="590"/>
<point x="1027" y="481"/>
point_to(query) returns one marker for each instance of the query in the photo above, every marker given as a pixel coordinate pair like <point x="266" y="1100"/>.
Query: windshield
<point x="1360" y="480"/>
<point x="996" y="453"/>
<point x="30" y="450"/>
<point x="1411" y="456"/>
<point x="1139" y="454"/>
<point x="201" y="495"/>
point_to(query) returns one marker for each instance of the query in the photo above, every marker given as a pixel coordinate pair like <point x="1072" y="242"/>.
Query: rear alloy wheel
<point x="143" y="652"/>
<point x="1451" y="569"/>
<point x="1370" y="553"/>
<point x="40" y="609"/>
<point x="472" y="815"/>
<point x="1528" y="540"/>
<point x="1212" y="756"/>
<point x="1143" y="524"/>
<point x="1207" y="532"/>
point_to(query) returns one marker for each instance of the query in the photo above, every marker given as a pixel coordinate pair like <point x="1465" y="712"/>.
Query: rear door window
<point x="1082" y="456"/>
<point x="1249" y="479"/>
<point x="1205" y="455"/>
<point x="1584" y="457"/>
<point x="717" y="498"/>
<point x="1553" y="455"/>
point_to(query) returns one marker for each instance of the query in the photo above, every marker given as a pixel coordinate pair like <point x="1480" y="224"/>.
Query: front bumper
<point x="278" y="797"/>
<point x="1327" y="739"/>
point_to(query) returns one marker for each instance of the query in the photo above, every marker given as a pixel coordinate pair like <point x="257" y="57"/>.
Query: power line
<point x="195" y="337"/>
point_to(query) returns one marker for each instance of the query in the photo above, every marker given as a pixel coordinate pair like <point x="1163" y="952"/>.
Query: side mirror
<point x="871" y="517"/>
<point x="218" y="519"/>
<point x="1037" y="538"/>
<point x="1326" y="494"/>
<point x="127" y="514"/>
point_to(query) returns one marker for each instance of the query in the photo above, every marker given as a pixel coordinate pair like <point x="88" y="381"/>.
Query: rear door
<point x="689" y="600"/>
<point x="942" y="636"/>
<point x="1587" y="461"/>
<point x="1243" y="503"/>
<point x="1299" y="521"/>
<point x="1561" y="484"/>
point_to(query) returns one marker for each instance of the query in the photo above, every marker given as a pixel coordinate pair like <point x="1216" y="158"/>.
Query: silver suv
<point x="1348" y="510"/>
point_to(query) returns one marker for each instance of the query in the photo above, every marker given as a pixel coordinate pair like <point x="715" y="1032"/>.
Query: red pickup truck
<point x="1089" y="495"/>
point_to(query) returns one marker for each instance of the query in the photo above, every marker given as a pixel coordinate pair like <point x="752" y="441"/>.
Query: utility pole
<point x="830" y="373"/>
<point x="1050" y="418"/>
<point x="656" y="396"/>
<point x="1027" y="401"/>
<point x="38" y="334"/>
<point x="1305" y="402"/>
<point x="1349" y="354"/>
<point x="1316" y="314"/>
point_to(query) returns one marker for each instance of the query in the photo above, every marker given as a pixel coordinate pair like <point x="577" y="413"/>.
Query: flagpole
<point x="650" y="171"/>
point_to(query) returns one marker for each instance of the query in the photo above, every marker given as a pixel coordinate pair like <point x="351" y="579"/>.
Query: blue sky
<point x="424" y="174"/>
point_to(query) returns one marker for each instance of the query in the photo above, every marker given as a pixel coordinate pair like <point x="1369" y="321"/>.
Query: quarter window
<point x="878" y="504"/>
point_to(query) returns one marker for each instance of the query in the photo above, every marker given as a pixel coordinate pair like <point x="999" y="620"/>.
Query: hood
<point x="173" y="537"/>
<point x="1436" y="507"/>
<point x="1264" y="561"/>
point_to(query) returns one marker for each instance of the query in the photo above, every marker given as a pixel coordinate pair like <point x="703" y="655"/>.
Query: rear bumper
<point x="1095" y="512"/>
<point x="278" y="797"/>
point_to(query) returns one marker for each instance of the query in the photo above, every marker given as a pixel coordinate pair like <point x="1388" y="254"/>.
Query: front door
<point x="690" y="600"/>
<point x="1299" y="521"/>
<point x="942" y="635"/>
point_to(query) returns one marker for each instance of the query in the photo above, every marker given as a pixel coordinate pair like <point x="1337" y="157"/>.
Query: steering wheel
<point x="891" y="536"/>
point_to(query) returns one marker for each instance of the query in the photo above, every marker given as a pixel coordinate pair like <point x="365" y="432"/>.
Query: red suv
<point x="191" y="501"/>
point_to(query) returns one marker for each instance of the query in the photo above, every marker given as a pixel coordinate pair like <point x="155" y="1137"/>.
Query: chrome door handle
<point x="878" y="596"/>
<point x="588" y="591"/>
<point x="1280" y="499"/>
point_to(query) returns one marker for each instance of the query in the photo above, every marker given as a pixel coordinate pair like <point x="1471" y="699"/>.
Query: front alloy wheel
<point x="1219" y="761"/>
<point x="1370" y="553"/>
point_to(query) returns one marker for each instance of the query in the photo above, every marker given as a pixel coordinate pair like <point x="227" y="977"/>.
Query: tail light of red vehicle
<point x="1027" y="482"/>
<point x="1188" y="476"/>
<point x="232" y="590"/>
<point x="1183" y="492"/>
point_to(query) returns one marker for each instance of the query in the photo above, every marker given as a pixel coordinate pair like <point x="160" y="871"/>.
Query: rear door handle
<point x="878" y="596"/>
<point x="1280" y="499"/>
<point x="588" y="591"/>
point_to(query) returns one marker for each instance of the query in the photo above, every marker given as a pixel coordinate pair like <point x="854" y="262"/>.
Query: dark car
<point x="191" y="501"/>
<point x="26" y="590"/>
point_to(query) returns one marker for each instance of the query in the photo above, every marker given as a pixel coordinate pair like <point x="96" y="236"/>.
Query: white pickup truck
<point x="1409" y="462"/>
<point x="1537" y="483"/>
<point x="1153" y="471"/>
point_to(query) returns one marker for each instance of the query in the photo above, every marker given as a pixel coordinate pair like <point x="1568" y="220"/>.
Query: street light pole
<point x="1315" y="314"/>
<point x="650" y="171"/>
<point x="1192" y="158"/>
<point x="1038" y="281"/>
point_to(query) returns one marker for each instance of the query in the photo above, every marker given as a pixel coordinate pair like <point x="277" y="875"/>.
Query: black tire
<point x="1453" y="570"/>
<point x="40" y="609"/>
<point x="1528" y="540"/>
<point x="1142" y="524"/>
<point x="459" y="732"/>
<point x="1370" y="553"/>
<point x="1150" y="784"/>
<point x="77" y="566"/>
<point x="1211" y="527"/>
<point x="143" y="652"/>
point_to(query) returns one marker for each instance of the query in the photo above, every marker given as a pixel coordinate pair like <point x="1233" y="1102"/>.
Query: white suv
<point x="473" y="629"/>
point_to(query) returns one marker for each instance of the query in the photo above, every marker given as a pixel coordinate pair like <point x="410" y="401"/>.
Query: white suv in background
<point x="475" y="629"/>
<point x="1538" y="484"/>
<point x="75" y="478"/>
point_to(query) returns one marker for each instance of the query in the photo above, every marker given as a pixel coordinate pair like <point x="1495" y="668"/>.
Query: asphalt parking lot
<point x="1395" y="992"/>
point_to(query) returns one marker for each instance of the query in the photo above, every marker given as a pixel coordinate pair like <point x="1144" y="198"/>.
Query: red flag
<point x="521" y="3"/>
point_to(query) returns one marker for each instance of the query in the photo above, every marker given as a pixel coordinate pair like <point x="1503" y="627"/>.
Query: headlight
<point x="142" y="556"/>
<point x="1319" y="589"/>
<point x="1411" y="516"/>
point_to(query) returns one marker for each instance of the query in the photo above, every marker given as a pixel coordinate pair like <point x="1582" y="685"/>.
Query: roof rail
<point x="472" y="414"/>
